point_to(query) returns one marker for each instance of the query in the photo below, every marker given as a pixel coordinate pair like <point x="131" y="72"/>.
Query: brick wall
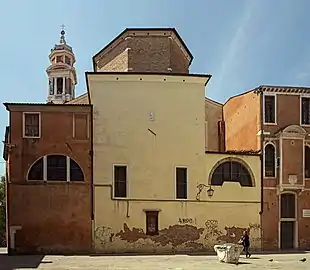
<point x="55" y="217"/>
<point x="150" y="51"/>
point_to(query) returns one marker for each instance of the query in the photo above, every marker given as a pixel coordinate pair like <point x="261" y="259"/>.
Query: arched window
<point x="68" y="86"/>
<point x="231" y="171"/>
<point x="270" y="160"/>
<point x="36" y="171"/>
<point x="76" y="173"/>
<point x="307" y="161"/>
<point x="59" y="85"/>
<point x="55" y="168"/>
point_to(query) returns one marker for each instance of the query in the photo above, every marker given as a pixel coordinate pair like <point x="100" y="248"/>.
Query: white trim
<point x="113" y="180"/>
<point x="300" y="110"/>
<point x="264" y="133"/>
<point x="285" y="93"/>
<point x="303" y="162"/>
<point x="45" y="169"/>
<point x="295" y="220"/>
<point x="292" y="138"/>
<point x="275" y="160"/>
<point x="68" y="168"/>
<point x="272" y="188"/>
<point x="55" y="83"/>
<point x="175" y="183"/>
<point x="306" y="144"/>
<point x="12" y="232"/>
<point x="87" y="126"/>
<point x="31" y="137"/>
<point x="51" y="80"/>
<point x="295" y="129"/>
<point x="275" y="108"/>
<point x="277" y="188"/>
<point x="64" y="85"/>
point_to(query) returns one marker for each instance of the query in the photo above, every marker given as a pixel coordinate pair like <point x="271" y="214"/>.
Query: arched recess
<point x="307" y="161"/>
<point x="269" y="160"/>
<point x="55" y="168"/>
<point x="294" y="129"/>
<point x="231" y="170"/>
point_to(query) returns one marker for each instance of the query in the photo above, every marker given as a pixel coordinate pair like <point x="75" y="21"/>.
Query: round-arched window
<point x="231" y="171"/>
<point x="55" y="168"/>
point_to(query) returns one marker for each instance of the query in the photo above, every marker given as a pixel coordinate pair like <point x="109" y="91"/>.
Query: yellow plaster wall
<point x="122" y="107"/>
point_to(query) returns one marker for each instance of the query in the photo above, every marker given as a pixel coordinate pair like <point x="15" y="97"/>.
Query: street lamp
<point x="210" y="192"/>
<point x="200" y="187"/>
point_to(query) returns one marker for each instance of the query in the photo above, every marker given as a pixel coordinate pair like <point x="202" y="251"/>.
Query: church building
<point x="143" y="162"/>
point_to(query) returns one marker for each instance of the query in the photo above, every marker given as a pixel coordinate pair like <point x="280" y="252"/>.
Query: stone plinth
<point x="228" y="253"/>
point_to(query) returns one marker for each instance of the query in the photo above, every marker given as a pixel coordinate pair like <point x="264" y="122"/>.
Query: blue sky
<point x="242" y="43"/>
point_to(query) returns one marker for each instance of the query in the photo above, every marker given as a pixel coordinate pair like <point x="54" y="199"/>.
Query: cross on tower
<point x="62" y="27"/>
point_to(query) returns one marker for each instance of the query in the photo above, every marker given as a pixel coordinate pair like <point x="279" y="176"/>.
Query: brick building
<point x="155" y="50"/>
<point x="277" y="122"/>
<point x="49" y="178"/>
<point x="49" y="149"/>
<point x="48" y="154"/>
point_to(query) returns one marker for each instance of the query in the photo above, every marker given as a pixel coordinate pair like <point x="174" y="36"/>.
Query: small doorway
<point x="287" y="234"/>
<point x="288" y="221"/>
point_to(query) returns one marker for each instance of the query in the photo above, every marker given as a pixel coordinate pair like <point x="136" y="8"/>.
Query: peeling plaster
<point x="173" y="238"/>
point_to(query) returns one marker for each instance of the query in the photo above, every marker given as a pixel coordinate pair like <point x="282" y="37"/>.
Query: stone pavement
<point x="174" y="262"/>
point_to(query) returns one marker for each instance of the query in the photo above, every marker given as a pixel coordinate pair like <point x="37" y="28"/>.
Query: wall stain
<point x="104" y="234"/>
<point x="176" y="237"/>
<point x="254" y="226"/>
<point x="232" y="235"/>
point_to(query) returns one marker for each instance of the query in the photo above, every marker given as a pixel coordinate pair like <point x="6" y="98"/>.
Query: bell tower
<point x="61" y="72"/>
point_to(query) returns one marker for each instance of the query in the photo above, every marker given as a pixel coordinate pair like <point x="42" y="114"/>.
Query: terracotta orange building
<point x="277" y="123"/>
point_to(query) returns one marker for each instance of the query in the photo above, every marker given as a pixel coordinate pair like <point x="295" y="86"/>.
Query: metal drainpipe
<point x="260" y="92"/>
<point x="262" y="149"/>
<point x="92" y="191"/>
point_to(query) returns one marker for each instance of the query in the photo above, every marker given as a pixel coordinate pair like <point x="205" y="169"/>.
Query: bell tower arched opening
<point x="61" y="72"/>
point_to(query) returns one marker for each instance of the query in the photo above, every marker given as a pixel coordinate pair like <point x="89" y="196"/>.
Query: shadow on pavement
<point x="20" y="262"/>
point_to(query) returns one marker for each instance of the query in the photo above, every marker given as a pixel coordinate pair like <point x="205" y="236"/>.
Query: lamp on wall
<point x="210" y="192"/>
<point x="200" y="187"/>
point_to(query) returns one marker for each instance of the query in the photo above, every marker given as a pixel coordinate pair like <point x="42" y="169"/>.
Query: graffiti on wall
<point x="104" y="235"/>
<point x="212" y="229"/>
<point x="187" y="220"/>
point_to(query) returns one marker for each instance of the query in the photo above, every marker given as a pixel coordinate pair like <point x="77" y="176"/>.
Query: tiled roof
<point x="7" y="104"/>
<point x="236" y="152"/>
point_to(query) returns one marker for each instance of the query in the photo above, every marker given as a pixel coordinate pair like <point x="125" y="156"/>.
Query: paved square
<point x="177" y="262"/>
